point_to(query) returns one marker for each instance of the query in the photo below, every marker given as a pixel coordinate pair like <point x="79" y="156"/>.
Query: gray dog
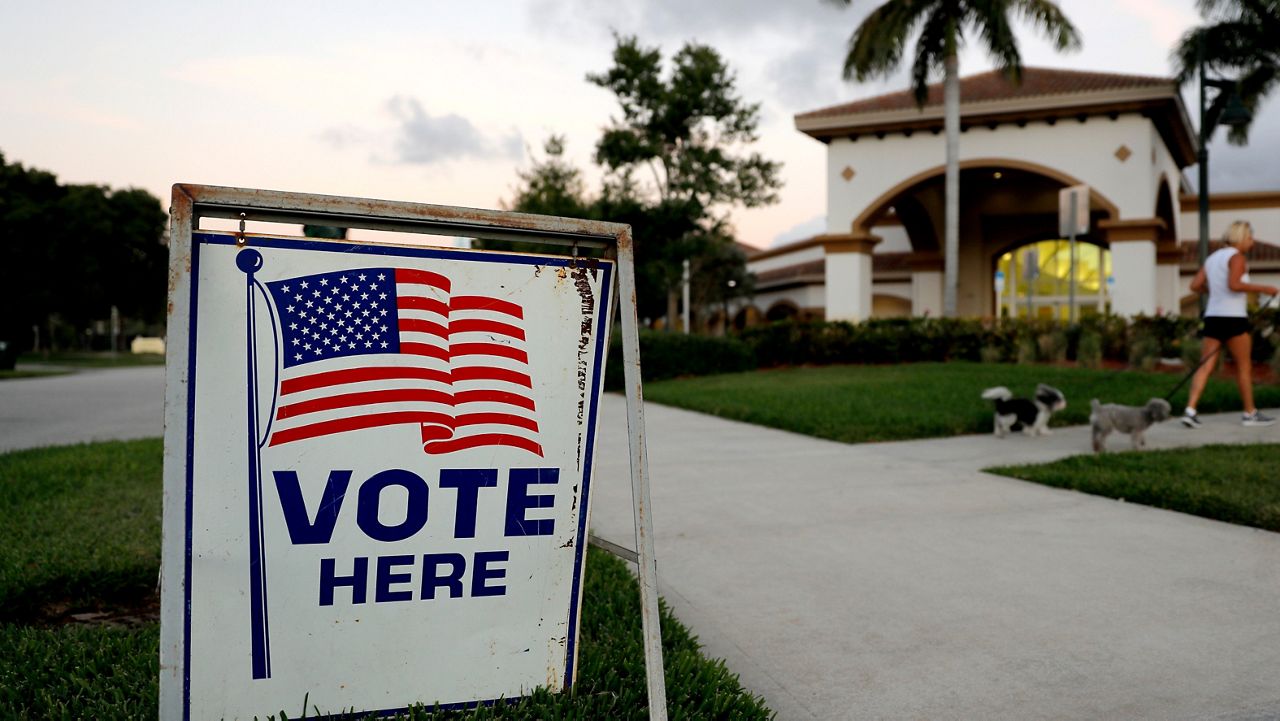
<point x="1134" y="420"/>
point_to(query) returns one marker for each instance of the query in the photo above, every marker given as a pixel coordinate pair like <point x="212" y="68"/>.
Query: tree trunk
<point x="673" y="309"/>
<point x="951" y="246"/>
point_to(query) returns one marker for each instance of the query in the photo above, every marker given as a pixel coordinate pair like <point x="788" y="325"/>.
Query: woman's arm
<point x="1198" y="283"/>
<point x="1235" y="278"/>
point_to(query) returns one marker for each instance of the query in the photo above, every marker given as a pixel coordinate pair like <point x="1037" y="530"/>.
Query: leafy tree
<point x="674" y="166"/>
<point x="685" y="132"/>
<point x="553" y="186"/>
<point x="68" y="253"/>
<point x="1241" y="39"/>
<point x="328" y="232"/>
<point x="879" y="44"/>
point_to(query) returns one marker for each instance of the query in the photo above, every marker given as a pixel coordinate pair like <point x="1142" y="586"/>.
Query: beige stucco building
<point x="1127" y="137"/>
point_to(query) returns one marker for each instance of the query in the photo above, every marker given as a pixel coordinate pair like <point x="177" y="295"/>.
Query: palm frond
<point x="877" y="45"/>
<point x="931" y="50"/>
<point x="1048" y="18"/>
<point x="992" y="22"/>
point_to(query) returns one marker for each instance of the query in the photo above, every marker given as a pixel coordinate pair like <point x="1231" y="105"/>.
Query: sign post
<point x="1073" y="220"/>
<point x="999" y="287"/>
<point x="378" y="457"/>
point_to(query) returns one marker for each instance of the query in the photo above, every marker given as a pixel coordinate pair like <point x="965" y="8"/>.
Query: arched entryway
<point x="782" y="310"/>
<point x="1005" y="203"/>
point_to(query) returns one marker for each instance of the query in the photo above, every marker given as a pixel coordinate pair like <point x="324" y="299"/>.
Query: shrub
<point x="1089" y="349"/>
<point x="1027" y="349"/>
<point x="1052" y="345"/>
<point x="668" y="355"/>
<point x="1191" y="351"/>
<point x="1141" y="343"/>
<point x="1144" y="351"/>
<point x="991" y="354"/>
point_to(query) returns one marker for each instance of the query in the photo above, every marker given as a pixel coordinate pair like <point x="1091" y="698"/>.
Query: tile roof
<point x="993" y="85"/>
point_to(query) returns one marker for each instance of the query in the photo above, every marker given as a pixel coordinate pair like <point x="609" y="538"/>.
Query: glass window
<point x="1038" y="280"/>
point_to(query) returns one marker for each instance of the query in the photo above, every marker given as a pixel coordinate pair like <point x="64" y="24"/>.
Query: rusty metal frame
<point x="193" y="202"/>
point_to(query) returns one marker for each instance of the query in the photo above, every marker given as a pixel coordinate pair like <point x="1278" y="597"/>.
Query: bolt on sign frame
<point x="191" y="203"/>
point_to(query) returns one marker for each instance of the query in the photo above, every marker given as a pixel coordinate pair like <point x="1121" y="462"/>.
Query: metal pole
<point x="1202" y="161"/>
<point x="684" y="296"/>
<point x="1031" y="262"/>
<point x="640" y="502"/>
<point x="1071" y="284"/>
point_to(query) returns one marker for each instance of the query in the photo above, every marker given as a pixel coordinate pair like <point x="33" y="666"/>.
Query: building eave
<point x="1162" y="104"/>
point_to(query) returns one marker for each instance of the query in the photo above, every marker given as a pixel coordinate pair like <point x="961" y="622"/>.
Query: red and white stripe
<point x="462" y="374"/>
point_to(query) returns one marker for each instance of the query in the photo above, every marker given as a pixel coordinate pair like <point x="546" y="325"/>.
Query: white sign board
<point x="1077" y="224"/>
<point x="387" y="472"/>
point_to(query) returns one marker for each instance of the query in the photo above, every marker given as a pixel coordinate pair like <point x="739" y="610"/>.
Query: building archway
<point x="1005" y="203"/>
<point x="879" y="208"/>
<point x="782" y="310"/>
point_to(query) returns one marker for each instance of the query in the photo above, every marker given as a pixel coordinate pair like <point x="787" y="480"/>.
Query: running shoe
<point x="1256" y="419"/>
<point x="1191" y="419"/>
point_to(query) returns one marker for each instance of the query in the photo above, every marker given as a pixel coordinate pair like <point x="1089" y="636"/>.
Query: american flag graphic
<point x="374" y="347"/>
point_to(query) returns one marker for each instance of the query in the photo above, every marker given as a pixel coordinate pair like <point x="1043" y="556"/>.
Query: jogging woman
<point x="1226" y="321"/>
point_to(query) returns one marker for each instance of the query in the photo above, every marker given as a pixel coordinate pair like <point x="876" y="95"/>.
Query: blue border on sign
<point x="191" y="438"/>
<point x="602" y="323"/>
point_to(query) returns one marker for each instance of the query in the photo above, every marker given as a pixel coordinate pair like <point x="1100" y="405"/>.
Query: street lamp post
<point x="1226" y="109"/>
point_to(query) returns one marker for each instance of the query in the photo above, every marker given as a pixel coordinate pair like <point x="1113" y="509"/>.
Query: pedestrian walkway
<point x="896" y="580"/>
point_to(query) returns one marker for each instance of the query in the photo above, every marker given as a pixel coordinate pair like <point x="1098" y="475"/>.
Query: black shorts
<point x="1223" y="328"/>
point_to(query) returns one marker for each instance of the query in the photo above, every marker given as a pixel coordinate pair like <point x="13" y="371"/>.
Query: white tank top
<point x="1224" y="302"/>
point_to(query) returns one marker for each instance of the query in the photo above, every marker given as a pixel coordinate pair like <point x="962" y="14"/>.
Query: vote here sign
<point x="386" y="473"/>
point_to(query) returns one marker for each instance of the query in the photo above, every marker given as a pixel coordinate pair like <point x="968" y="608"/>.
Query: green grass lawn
<point x="1237" y="484"/>
<point x="82" y="534"/>
<point x="6" y="375"/>
<point x="85" y="359"/>
<point x="921" y="400"/>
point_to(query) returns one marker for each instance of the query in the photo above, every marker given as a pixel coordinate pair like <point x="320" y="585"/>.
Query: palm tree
<point x="877" y="46"/>
<point x="1242" y="39"/>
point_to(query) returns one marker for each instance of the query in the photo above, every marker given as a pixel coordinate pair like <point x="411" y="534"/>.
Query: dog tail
<point x="999" y="393"/>
<point x="1095" y="405"/>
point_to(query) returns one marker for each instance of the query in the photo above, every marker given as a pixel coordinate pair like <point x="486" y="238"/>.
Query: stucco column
<point x="926" y="284"/>
<point x="848" y="275"/>
<point x="1168" y="277"/>
<point x="1133" y="263"/>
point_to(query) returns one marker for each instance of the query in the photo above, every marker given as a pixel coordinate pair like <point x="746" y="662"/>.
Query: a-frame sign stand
<point x="191" y="203"/>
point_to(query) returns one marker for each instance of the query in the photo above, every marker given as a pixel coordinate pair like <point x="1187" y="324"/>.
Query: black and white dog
<point x="1029" y="415"/>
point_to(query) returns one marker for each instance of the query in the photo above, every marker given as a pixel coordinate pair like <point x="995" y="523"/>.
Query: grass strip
<point x="1232" y="483"/>
<point x="7" y="375"/>
<point x="83" y="534"/>
<point x="857" y="403"/>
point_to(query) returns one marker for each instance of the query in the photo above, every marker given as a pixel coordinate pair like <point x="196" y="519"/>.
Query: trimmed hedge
<point x="1139" y="342"/>
<point x="669" y="355"/>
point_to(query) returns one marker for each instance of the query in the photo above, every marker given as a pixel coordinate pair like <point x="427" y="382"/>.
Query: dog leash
<point x="1253" y="317"/>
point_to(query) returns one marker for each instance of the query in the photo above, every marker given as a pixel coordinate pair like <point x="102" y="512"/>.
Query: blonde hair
<point x="1236" y="232"/>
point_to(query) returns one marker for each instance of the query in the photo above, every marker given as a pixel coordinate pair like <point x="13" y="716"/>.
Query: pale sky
<point x="441" y="102"/>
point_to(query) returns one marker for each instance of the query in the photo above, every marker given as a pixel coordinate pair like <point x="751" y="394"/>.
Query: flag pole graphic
<point x="250" y="261"/>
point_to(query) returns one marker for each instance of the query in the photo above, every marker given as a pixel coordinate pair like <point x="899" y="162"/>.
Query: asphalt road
<point x="88" y="405"/>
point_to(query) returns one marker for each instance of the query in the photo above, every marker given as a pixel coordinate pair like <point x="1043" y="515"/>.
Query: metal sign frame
<point x="191" y="203"/>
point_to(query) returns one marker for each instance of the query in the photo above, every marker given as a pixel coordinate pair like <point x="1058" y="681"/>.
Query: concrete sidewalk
<point x="896" y="580"/>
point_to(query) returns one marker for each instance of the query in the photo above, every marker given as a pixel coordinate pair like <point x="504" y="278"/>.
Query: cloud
<point x="1251" y="167"/>
<point x="423" y="139"/>
<point x="662" y="20"/>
